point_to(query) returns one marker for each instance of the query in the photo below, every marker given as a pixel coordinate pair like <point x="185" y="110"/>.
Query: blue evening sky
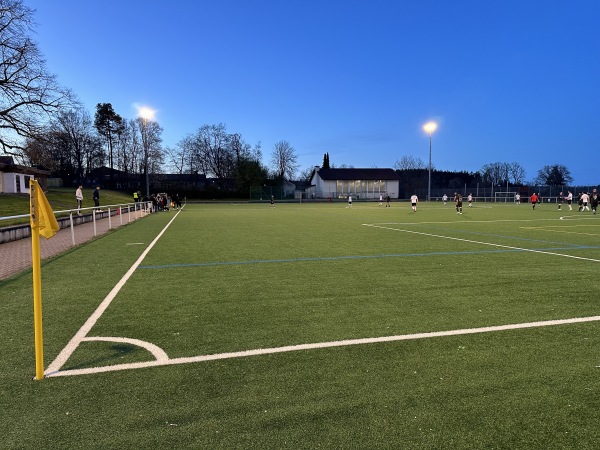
<point x="507" y="80"/>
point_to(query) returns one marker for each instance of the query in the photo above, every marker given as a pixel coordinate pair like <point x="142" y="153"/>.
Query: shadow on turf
<point x="116" y="353"/>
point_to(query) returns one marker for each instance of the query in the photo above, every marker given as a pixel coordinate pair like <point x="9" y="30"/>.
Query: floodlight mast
<point x="146" y="114"/>
<point x="429" y="127"/>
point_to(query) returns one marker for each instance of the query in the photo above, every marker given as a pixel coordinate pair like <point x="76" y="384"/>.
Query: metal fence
<point x="18" y="227"/>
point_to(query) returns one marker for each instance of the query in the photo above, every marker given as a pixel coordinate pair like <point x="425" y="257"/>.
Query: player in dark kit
<point x="458" y="202"/>
<point x="594" y="197"/>
<point x="559" y="200"/>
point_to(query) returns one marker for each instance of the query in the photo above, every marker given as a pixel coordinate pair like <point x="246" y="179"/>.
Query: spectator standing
<point x="96" y="196"/>
<point x="79" y="197"/>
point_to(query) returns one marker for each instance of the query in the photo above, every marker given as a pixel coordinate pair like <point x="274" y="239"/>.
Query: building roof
<point x="7" y="164"/>
<point x="358" y="174"/>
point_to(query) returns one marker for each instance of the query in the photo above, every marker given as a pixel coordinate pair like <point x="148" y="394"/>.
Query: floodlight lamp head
<point x="430" y="127"/>
<point x="146" y="113"/>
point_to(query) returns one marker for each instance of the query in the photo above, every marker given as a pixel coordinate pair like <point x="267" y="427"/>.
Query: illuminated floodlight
<point x="430" y="127"/>
<point x="146" y="113"/>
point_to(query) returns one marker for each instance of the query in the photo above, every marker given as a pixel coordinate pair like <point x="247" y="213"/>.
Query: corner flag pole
<point x="37" y="303"/>
<point x="41" y="218"/>
<point x="37" y="283"/>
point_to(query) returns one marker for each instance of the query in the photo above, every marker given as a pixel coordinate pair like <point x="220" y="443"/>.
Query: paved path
<point x="15" y="256"/>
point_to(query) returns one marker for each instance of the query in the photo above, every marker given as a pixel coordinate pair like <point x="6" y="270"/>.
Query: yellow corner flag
<point x="42" y="222"/>
<point x="42" y="216"/>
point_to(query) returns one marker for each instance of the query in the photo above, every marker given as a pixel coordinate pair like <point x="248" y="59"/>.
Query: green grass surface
<point x="228" y="278"/>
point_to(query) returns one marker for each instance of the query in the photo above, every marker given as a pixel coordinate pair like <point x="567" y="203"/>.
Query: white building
<point x="360" y="183"/>
<point x="14" y="179"/>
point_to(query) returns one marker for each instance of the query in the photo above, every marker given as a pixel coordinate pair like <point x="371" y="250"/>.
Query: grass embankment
<point x="59" y="198"/>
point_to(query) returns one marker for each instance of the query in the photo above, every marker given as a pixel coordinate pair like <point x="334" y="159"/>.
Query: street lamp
<point x="146" y="114"/>
<point x="429" y="127"/>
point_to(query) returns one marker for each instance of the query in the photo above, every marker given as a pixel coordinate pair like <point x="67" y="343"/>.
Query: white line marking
<point x="66" y="352"/>
<point x="484" y="243"/>
<point x="460" y="222"/>
<point x="155" y="350"/>
<point x="320" y="345"/>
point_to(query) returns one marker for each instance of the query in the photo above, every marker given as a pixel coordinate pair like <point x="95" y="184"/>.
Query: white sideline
<point x="318" y="345"/>
<point x="66" y="352"/>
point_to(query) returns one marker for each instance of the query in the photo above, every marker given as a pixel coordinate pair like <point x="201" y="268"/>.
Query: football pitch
<point x="313" y="325"/>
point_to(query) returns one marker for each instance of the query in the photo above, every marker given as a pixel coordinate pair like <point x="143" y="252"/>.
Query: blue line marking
<point x="341" y="258"/>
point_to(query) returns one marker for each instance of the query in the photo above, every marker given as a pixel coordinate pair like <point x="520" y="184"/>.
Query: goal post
<point x="504" y="196"/>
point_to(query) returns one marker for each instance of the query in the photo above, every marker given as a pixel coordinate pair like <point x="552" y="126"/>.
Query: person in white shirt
<point x="380" y="199"/>
<point x="349" y="201"/>
<point x="445" y="199"/>
<point x="585" y="199"/>
<point x="518" y="199"/>
<point x="79" y="197"/>
<point x="470" y="199"/>
<point x="569" y="199"/>
<point x="414" y="200"/>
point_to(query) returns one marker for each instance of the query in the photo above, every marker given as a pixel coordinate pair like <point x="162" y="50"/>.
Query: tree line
<point x="495" y="174"/>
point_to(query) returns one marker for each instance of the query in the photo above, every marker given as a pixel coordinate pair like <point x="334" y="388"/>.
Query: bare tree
<point x="306" y="174"/>
<point x="186" y="151"/>
<point x="409" y="162"/>
<point x="284" y="160"/>
<point x="133" y="148"/>
<point x="495" y="173"/>
<point x="516" y="173"/>
<point x="76" y="124"/>
<point x="29" y="95"/>
<point x="211" y="149"/>
<point x="150" y="136"/>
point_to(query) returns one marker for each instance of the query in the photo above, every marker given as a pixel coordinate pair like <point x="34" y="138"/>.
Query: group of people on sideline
<point x="158" y="202"/>
<point x="79" y="198"/>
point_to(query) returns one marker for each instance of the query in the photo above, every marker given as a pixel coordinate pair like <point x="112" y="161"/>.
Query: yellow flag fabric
<point x="42" y="215"/>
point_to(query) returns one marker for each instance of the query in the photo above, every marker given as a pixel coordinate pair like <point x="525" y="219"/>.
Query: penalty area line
<point x="320" y="345"/>
<point x="483" y="243"/>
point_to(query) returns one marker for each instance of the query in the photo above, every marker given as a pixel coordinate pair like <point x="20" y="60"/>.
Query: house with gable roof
<point x="360" y="183"/>
<point x="14" y="178"/>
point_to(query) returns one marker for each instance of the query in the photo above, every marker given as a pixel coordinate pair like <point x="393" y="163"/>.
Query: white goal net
<point x="504" y="197"/>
